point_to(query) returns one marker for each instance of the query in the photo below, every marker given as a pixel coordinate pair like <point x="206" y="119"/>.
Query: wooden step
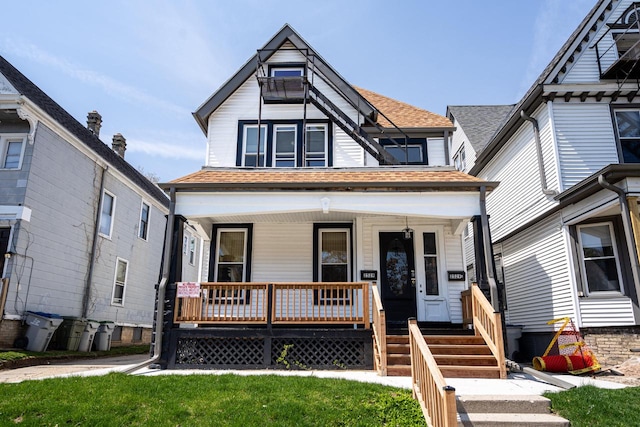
<point x="399" y="370"/>
<point x="454" y="339"/>
<point x="397" y="339"/>
<point x="398" y="349"/>
<point x="459" y="349"/>
<point x="464" y="360"/>
<point x="398" y="359"/>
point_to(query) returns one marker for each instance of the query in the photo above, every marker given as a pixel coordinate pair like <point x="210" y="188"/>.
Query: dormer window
<point x="415" y="153"/>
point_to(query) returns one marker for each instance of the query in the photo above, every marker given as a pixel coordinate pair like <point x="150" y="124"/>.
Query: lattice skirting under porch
<point x="210" y="348"/>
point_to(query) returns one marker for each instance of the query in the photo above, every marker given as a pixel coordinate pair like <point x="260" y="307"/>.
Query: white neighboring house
<point x="81" y="230"/>
<point x="564" y="221"/>
<point x="340" y="185"/>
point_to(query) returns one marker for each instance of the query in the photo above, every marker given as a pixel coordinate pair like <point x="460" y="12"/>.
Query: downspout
<point x="627" y="226"/>
<point x="94" y="246"/>
<point x="159" y="320"/>
<point x="536" y="137"/>
<point x="488" y="262"/>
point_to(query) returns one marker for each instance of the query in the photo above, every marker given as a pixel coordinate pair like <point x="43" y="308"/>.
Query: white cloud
<point x="161" y="148"/>
<point x="109" y="85"/>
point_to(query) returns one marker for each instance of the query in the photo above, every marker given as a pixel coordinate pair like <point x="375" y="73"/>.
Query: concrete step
<point x="512" y="404"/>
<point x="469" y="371"/>
<point x="512" y="420"/>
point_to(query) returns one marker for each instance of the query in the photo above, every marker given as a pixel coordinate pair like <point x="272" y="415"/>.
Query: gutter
<point x="536" y="136"/>
<point x="162" y="287"/>
<point x="488" y="262"/>
<point x="628" y="228"/>
<point x="94" y="245"/>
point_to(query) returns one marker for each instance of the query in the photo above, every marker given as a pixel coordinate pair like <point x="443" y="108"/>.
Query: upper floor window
<point x="120" y="281"/>
<point x="287" y="72"/>
<point x="415" y="152"/>
<point x="599" y="257"/>
<point x="11" y="152"/>
<point x="144" y="221"/>
<point x="107" y="211"/>
<point x="281" y="144"/>
<point x="460" y="159"/>
<point x="628" y="128"/>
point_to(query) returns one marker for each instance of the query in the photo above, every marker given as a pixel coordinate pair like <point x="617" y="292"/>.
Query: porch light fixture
<point x="407" y="233"/>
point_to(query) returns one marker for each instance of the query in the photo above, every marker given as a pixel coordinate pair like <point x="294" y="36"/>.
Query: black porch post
<point x="480" y="261"/>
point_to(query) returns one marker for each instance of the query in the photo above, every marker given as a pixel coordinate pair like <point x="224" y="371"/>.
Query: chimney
<point x="119" y="144"/>
<point x="94" y="122"/>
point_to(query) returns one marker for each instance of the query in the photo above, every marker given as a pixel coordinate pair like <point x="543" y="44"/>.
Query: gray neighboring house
<point x="565" y="220"/>
<point x="81" y="230"/>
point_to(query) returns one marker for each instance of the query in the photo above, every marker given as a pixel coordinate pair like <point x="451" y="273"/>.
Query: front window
<point x="106" y="213"/>
<point x="628" y="127"/>
<point x="120" y="281"/>
<point x="316" y="145"/>
<point x="144" y="221"/>
<point x="231" y="255"/>
<point x="599" y="257"/>
<point x="284" y="139"/>
<point x="253" y="149"/>
<point x="11" y="152"/>
<point x="334" y="255"/>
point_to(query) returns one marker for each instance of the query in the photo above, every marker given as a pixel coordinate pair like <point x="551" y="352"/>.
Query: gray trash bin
<point x="68" y="334"/>
<point x="103" y="339"/>
<point x="88" y="335"/>
<point x="41" y="329"/>
<point x="514" y="332"/>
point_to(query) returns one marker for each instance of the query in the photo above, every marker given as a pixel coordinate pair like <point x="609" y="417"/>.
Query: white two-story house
<point x="564" y="221"/>
<point x="315" y="193"/>
<point x="81" y="230"/>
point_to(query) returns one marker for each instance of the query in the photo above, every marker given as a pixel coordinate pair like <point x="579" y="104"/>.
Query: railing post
<point x="270" y="306"/>
<point x="365" y="305"/>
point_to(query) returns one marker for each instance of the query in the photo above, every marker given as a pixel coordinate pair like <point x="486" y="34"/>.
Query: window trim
<point x="213" y="264"/>
<point x="423" y="142"/>
<point x="435" y="256"/>
<point x="270" y="143"/>
<point x="148" y="221"/>
<point x="5" y="140"/>
<point x="275" y="159"/>
<point x="115" y="282"/>
<point x="242" y="144"/>
<point x="320" y="297"/>
<point x="112" y="214"/>
<point x="616" y="256"/>
<point x="304" y="155"/>
<point x="288" y="66"/>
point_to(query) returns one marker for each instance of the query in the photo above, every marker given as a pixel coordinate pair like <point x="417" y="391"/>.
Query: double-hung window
<point x="192" y="250"/>
<point x="599" y="257"/>
<point x="316" y="145"/>
<point x="254" y="149"/>
<point x="143" y="229"/>
<point x="628" y="127"/>
<point x="107" y="211"/>
<point x="334" y="255"/>
<point x="120" y="281"/>
<point x="284" y="140"/>
<point x="11" y="152"/>
<point x="231" y="255"/>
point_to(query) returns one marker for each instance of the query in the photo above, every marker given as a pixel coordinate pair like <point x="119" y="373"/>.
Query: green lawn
<point x="595" y="407"/>
<point x="205" y="400"/>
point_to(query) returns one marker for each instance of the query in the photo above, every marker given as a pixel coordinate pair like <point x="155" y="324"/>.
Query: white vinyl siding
<point x="436" y="153"/>
<point x="282" y="252"/>
<point x="346" y="151"/>
<point x="602" y="312"/>
<point x="516" y="168"/>
<point x="585" y="138"/>
<point x="538" y="283"/>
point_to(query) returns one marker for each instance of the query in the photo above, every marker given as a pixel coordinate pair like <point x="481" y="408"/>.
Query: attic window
<point x="287" y="72"/>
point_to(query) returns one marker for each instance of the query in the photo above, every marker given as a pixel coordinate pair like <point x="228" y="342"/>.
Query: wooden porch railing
<point x="379" y="334"/>
<point x="437" y="399"/>
<point x="277" y="303"/>
<point x="486" y="323"/>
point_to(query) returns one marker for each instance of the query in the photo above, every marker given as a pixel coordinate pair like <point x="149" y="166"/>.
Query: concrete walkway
<point x="516" y="384"/>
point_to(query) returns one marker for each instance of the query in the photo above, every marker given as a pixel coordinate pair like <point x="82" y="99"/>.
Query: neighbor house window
<point x="460" y="159"/>
<point x="284" y="139"/>
<point x="231" y="255"/>
<point x="120" y="281"/>
<point x="250" y="144"/>
<point x="144" y="221"/>
<point x="11" y="152"/>
<point x="431" y="263"/>
<point x="192" y="250"/>
<point x="628" y="127"/>
<point x="413" y="154"/>
<point x="316" y="145"/>
<point x="599" y="257"/>
<point x="107" y="211"/>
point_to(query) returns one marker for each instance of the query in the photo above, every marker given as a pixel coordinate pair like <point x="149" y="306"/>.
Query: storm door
<point x="397" y="278"/>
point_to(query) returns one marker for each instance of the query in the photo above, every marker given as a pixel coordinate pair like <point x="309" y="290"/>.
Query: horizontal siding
<point x="537" y="280"/>
<point x="346" y="152"/>
<point x="454" y="262"/>
<point x="585" y="138"/>
<point x="282" y="253"/>
<point x="585" y="67"/>
<point x="519" y="198"/>
<point x="436" y="154"/>
<point x="606" y="312"/>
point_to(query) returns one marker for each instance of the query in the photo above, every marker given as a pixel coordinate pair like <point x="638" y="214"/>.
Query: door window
<point x="431" y="264"/>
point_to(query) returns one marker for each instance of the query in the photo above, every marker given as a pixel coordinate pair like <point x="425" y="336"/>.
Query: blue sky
<point x="147" y="65"/>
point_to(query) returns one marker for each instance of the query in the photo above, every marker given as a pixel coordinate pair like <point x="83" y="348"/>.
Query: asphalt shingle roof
<point x="480" y="122"/>
<point x="28" y="89"/>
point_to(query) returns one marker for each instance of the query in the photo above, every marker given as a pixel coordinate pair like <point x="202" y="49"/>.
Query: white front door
<point x="432" y="299"/>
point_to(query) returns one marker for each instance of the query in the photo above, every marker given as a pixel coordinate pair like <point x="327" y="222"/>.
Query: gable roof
<point x="285" y="34"/>
<point x="27" y="88"/>
<point x="577" y="42"/>
<point x="402" y="114"/>
<point x="479" y="122"/>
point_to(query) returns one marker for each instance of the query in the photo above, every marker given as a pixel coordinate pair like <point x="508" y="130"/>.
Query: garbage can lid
<point x="43" y="314"/>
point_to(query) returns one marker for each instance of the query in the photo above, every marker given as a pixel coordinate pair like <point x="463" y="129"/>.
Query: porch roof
<point x="382" y="179"/>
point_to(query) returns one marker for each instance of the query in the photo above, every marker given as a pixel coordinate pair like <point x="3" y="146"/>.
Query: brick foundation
<point x="613" y="346"/>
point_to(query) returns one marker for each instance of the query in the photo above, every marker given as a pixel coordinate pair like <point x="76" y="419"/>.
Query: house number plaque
<point x="368" y="274"/>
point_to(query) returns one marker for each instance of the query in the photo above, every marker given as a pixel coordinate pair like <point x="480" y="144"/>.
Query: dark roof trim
<point x="533" y="98"/>
<point x="32" y="92"/>
<point x="249" y="68"/>
<point x="589" y="186"/>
